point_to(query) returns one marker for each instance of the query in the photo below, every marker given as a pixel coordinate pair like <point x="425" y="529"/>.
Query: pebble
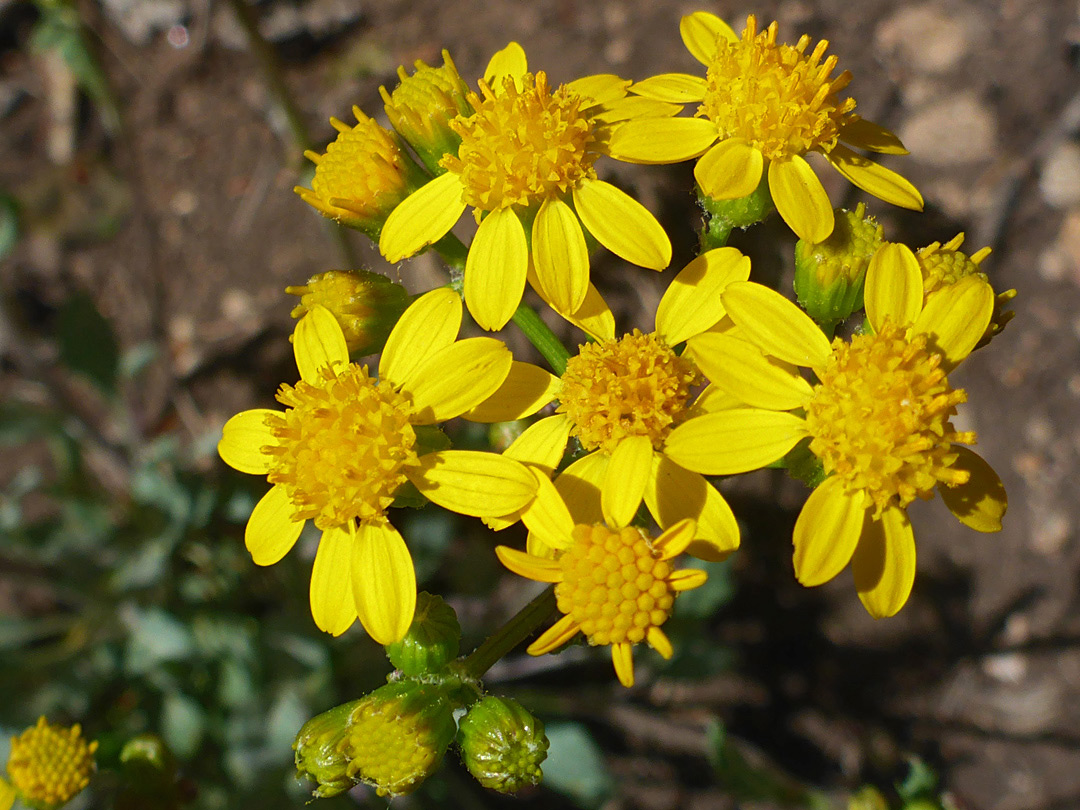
<point x="925" y="38"/>
<point x="951" y="131"/>
<point x="1059" y="177"/>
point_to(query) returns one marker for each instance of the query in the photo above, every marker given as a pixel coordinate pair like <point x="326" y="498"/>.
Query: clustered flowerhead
<point x="48" y="765"/>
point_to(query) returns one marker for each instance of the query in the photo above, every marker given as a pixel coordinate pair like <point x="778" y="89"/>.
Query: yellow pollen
<point x="50" y="764"/>
<point x="880" y="418"/>
<point x="633" y="386"/>
<point x="344" y="444"/>
<point x="522" y="147"/>
<point x="389" y="748"/>
<point x="614" y="585"/>
<point x="776" y="97"/>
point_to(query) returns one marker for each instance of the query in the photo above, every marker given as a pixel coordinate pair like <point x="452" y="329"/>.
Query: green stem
<point x="715" y="232"/>
<point x="540" y="335"/>
<point x="515" y="631"/>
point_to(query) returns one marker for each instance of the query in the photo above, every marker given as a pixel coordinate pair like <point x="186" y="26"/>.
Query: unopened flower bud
<point x="432" y="641"/>
<point x="48" y="764"/>
<point x="362" y="177"/>
<point x="502" y="744"/>
<point x="422" y="106"/>
<point x="829" y="275"/>
<point x="366" y="305"/>
<point x="398" y="735"/>
<point x="318" y="754"/>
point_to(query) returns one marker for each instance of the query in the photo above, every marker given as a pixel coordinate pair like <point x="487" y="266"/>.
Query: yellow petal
<point x="622" y="656"/>
<point x="744" y="372"/>
<point x="674" y="541"/>
<point x="884" y="563"/>
<point x="776" y="325"/>
<point x="601" y="88"/>
<point x="659" y="642"/>
<point x="700" y="32"/>
<point x="271" y="530"/>
<point x="242" y="440"/>
<point x="692" y="302"/>
<point x="495" y="269"/>
<point x="526" y="389"/>
<point x="733" y="441"/>
<point x="555" y="636"/>
<point x="593" y="317"/>
<point x="422" y="218"/>
<point x="458" y="378"/>
<point x="661" y="140"/>
<point x="528" y="566"/>
<point x="579" y="484"/>
<point x="635" y="107"/>
<point x="981" y="502"/>
<point x="629" y="469"/>
<point x="687" y="579"/>
<point x="547" y="516"/>
<point x="7" y="795"/>
<point x="714" y="399"/>
<point x="318" y="342"/>
<point x="542" y="444"/>
<point x="510" y="61"/>
<point x="956" y="317"/>
<point x="473" y="483"/>
<point x="430" y="324"/>
<point x="730" y="170"/>
<point x="676" y="88"/>
<point x="875" y="179"/>
<point x="894" y="286"/>
<point x="560" y="256"/>
<point x="674" y="494"/>
<point x="863" y="134"/>
<point x="801" y="199"/>
<point x="383" y="582"/>
<point x="622" y="224"/>
<point x="826" y="532"/>
<point x="332" y="604"/>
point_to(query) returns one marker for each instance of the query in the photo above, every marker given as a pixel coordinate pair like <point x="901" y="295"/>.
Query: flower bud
<point x="867" y="798"/>
<point x="502" y="744"/>
<point x="422" y="107"/>
<point x="362" y="177"/>
<point x="317" y="751"/>
<point x="432" y="640"/>
<point x="366" y="305"/>
<point x="829" y="275"/>
<point x="48" y="764"/>
<point x="398" y="735"/>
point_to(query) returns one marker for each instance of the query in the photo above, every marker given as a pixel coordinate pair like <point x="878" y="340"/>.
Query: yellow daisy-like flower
<point x="347" y="442"/>
<point x="526" y="161"/>
<point x="48" y="765"/>
<point x="623" y="399"/>
<point x="764" y="105"/>
<point x="941" y="265"/>
<point x="879" y="419"/>
<point x="615" y="583"/>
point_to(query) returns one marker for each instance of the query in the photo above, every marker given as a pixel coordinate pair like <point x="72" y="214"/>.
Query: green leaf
<point x="183" y="723"/>
<point x="718" y="590"/>
<point x="920" y="783"/>
<point x="87" y="343"/>
<point x="156" y="637"/>
<point x="9" y="224"/>
<point x="575" y="766"/>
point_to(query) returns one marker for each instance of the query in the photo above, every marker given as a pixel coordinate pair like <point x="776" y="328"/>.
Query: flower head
<point x="623" y="399"/>
<point x="525" y="160"/>
<point x="763" y="106"/>
<point x="366" y="305"/>
<point x="878" y="419"/>
<point x="347" y="442"/>
<point x="502" y="744"/>
<point x="48" y="764"/>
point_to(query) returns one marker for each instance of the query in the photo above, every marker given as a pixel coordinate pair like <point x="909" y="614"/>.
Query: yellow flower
<point x="622" y="399"/>
<point x="48" y="765"/>
<point x="346" y="443"/>
<point x="615" y="583"/>
<point x="941" y="265"/>
<point x="526" y="162"/>
<point x="764" y="105"/>
<point x="879" y="420"/>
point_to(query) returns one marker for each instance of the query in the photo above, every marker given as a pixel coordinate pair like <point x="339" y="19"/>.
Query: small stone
<point x="951" y="131"/>
<point x="1059" y="178"/>
<point x="1006" y="667"/>
<point x="925" y="37"/>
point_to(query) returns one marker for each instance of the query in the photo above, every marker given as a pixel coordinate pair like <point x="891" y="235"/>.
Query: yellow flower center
<point x="614" y="585"/>
<point x="775" y="96"/>
<point x="344" y="444"/>
<point x="880" y="418"/>
<point x="522" y="147"/>
<point x="363" y="172"/>
<point x="50" y="764"/>
<point x="940" y="268"/>
<point x="390" y="748"/>
<point x="633" y="386"/>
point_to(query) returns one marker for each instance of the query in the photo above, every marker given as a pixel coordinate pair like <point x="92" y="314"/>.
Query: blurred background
<point x="148" y="149"/>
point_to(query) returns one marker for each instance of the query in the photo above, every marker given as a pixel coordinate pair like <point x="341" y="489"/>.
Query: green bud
<point x="366" y="305"/>
<point x="398" y="735"/>
<point x="867" y="798"/>
<point x="148" y="775"/>
<point x="829" y="275"/>
<point x="725" y="215"/>
<point x="502" y="744"/>
<point x="432" y="640"/>
<point x="317" y="751"/>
